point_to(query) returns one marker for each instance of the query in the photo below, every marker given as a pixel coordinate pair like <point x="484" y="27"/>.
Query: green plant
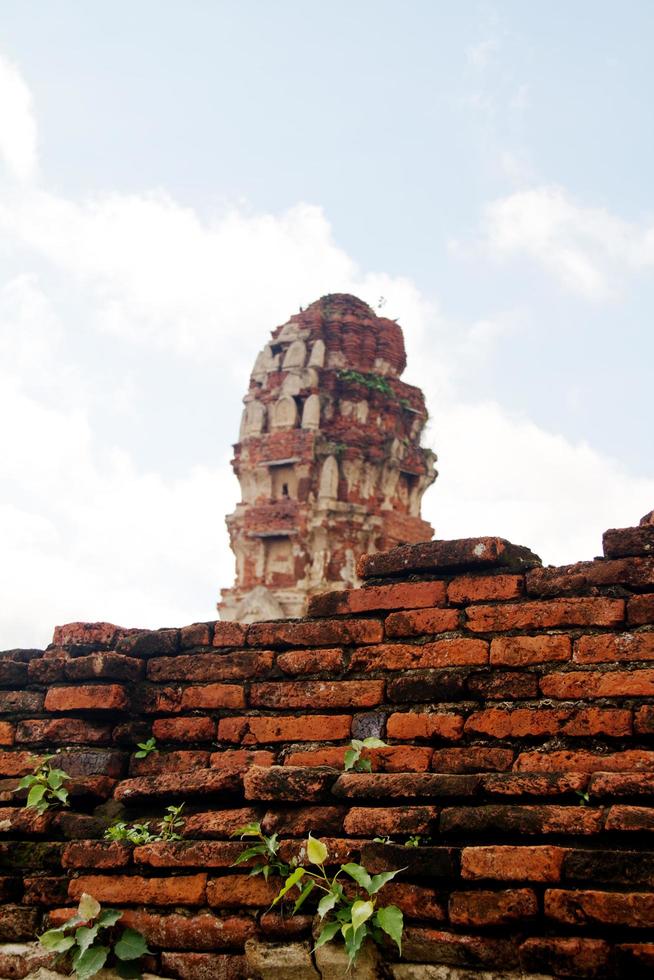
<point x="266" y="848"/>
<point x="413" y="841"/>
<point x="146" y="748"/>
<point x="45" y="787"/>
<point x="383" y="840"/>
<point x="80" y="937"/>
<point x="140" y="833"/>
<point x="353" y="758"/>
<point x="374" y="382"/>
<point x="584" y="797"/>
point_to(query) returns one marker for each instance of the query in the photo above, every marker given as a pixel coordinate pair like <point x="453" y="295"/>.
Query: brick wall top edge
<point x="626" y="541"/>
<point x="446" y="556"/>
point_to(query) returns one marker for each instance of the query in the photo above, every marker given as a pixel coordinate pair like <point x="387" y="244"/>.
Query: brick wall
<point x="505" y="691"/>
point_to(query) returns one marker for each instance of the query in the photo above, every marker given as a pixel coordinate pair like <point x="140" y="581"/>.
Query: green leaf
<point x="247" y="830"/>
<point x="378" y="881"/>
<point x="56" y="940"/>
<point x="255" y="851"/>
<point x="25" y="782"/>
<point x="84" y="936"/>
<point x="304" y="894"/>
<point x="353" y="940"/>
<point x="327" y="932"/>
<point x="289" y="883"/>
<point x="90" y="962"/>
<point x="128" y="970"/>
<point x="360" y="875"/>
<point x="316" y="850"/>
<point x="88" y="908"/>
<point x="374" y="743"/>
<point x="131" y="945"/>
<point x="56" y="777"/>
<point x="61" y="794"/>
<point x="391" y="920"/>
<point x="361" y="912"/>
<point x="326" y="904"/>
<point x="350" y="758"/>
<point x="364" y="765"/>
<point x="35" y="795"/>
<point x="108" y="918"/>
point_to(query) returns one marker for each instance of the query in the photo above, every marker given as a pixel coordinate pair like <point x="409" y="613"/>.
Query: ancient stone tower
<point x="329" y="459"/>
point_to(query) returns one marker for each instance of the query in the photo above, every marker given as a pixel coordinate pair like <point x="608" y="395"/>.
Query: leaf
<point x="327" y="932"/>
<point x="35" y="795"/>
<point x="61" y="794"/>
<point x="56" y="940"/>
<point x="108" y="918"/>
<point x="360" y="875"/>
<point x="88" y="908"/>
<point x="316" y="850"/>
<point x="306" y="891"/>
<point x="350" y="758"/>
<point x="374" y="743"/>
<point x="361" y="912"/>
<point x="378" y="881"/>
<point x="255" y="851"/>
<point x="353" y="941"/>
<point x="84" y="936"/>
<point x="129" y="970"/>
<point x="25" y="782"/>
<point x="131" y="945"/>
<point x="364" y="765"/>
<point x="289" y="883"/>
<point x="247" y="830"/>
<point x="90" y="962"/>
<point x="326" y="904"/>
<point x="390" y="919"/>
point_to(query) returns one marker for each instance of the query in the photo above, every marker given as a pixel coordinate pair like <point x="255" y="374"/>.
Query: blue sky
<point x="176" y="179"/>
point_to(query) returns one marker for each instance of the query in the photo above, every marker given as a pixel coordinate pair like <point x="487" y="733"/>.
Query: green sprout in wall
<point x="90" y="939"/>
<point x="146" y="748"/>
<point x="170" y="829"/>
<point x="373" y="382"/>
<point x="353" y="758"/>
<point x="45" y="786"/>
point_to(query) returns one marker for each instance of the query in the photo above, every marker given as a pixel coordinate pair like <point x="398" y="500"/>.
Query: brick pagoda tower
<point x="329" y="459"/>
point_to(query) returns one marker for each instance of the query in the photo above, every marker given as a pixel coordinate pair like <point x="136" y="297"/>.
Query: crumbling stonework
<point x="329" y="459"/>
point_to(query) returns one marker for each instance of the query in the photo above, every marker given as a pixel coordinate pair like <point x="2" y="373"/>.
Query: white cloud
<point x="18" y="134"/>
<point x="588" y="249"/>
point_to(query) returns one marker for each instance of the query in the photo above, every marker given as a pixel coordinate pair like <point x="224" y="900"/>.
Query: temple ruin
<point x="329" y="459"/>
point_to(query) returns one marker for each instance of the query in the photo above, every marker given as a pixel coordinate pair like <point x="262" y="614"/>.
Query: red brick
<point x="243" y="891"/>
<point x="317" y="694"/>
<point x="472" y="759"/>
<point x="415" y="622"/>
<point x="629" y="541"/>
<point x="96" y="854"/>
<point x="582" y="760"/>
<point x="62" y="731"/>
<point x="411" y="724"/>
<point x="17" y="924"/>
<point x="431" y="686"/>
<point x="509" y="863"/>
<point x="43" y="890"/>
<point x="340" y="850"/>
<point x="607" y="647"/>
<point x="85" y="634"/>
<point x="134" y="890"/>
<point x="311" y="661"/>
<point x="636" y="818"/>
<point x="489" y="908"/>
<point x="197" y="781"/>
<point x="644" y="720"/>
<point x="441" y="556"/>
<point x="274" y="925"/>
<point x="285" y="783"/>
<point x="189" y="854"/>
<point x="375" y="786"/>
<point x="520" y="819"/>
<point x="241" y="759"/>
<point x="148" y="643"/>
<point x="20" y="702"/>
<point x="194" y="932"/>
<point x="204" y="966"/>
<point x="184" y="729"/>
<point x="533" y="784"/>
<point x="300" y="821"/>
<point x="612" y="684"/>
<point x="229" y="634"/>
<point x="46" y="671"/>
<point x="20" y="820"/>
<point x="484" y="588"/>
<point x="13" y="673"/>
<point x="383" y="821"/>
<point x="390" y="759"/>
<point x="424" y="945"/>
<point x="415" y="901"/>
<point x="433" y="863"/>
<point x="195" y="635"/>
<point x="503" y="686"/>
<point x="89" y="697"/>
<point x="213" y="696"/>
<point x="92" y="762"/>
<point x="111" y="666"/>
<point x="520" y="651"/>
<point x="218" y="823"/>
<point x="18" y="763"/>
<point x="211" y="667"/>
<point x="536" y="721"/>
<point x="315" y="633"/>
<point x="7" y="733"/>
<point x="640" y="610"/>
<point x="589" y="576"/>
<point x="546" y="614"/>
<point x="577" y="908"/>
<point x="158" y="762"/>
<point x="622" y="784"/>
<point x="305" y="728"/>
<point x="404" y="595"/>
<point x="567" y="957"/>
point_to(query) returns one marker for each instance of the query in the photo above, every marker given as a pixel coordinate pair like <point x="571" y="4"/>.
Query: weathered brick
<point x="299" y="821"/>
<point x="590" y="576"/>
<point x="492" y="908"/>
<point x="195" y="635"/>
<point x="622" y="784"/>
<point x="193" y="932"/>
<point x="201" y="781"/>
<point x="18" y="763"/>
<point x="404" y="595"/>
<point x="622" y="541"/>
<point x="520" y="651"/>
<point x="631" y="818"/>
<point x="635" y="959"/>
<point x="511" y="863"/>
<point x="96" y="854"/>
<point x="91" y="762"/>
<point x="462" y="553"/>
<point x="241" y="759"/>
<point x="381" y="821"/>
<point x="110" y="666"/>
<point x="309" y="728"/>
<point x="425" y="945"/>
<point x="533" y="784"/>
<point x="20" y="702"/>
<point x="484" y="588"/>
<point x="218" y="823"/>
<point x="426" y="686"/>
<point x="640" y="610"/>
<point x="85" y="634"/>
<point x="148" y="643"/>
<point x="180" y="761"/>
<point x="46" y="671"/>
<point x="567" y="957"/>
<point x="537" y="721"/>
<point x="274" y="925"/>
<point x="213" y="696"/>
<point x="62" y="731"/>
<point x="88" y="697"/>
<point x="610" y="867"/>
<point x="389" y="759"/>
<point x="410" y="724"/>
<point x="315" y="633"/>
<point x="373" y="786"/>
<point x="449" y="652"/>
<point x="612" y="684"/>
<point x="135" y="890"/>
<point x="416" y="622"/>
<point x="189" y="854"/>
<point x="612" y="647"/>
<point x="243" y="891"/>
<point x="20" y="820"/>
<point x="419" y="862"/>
<point x="204" y="966"/>
<point x="30" y="855"/>
<point x="317" y="694"/>
<point x="416" y="902"/>
<point x="7" y="733"/>
<point x="194" y="729"/>
<point x="503" y="685"/>
<point x="285" y="783"/>
<point x="582" y="760"/>
<point x="211" y="667"/>
<point x="229" y="634"/>
<point x="12" y="673"/>
<point x="16" y="923"/>
<point x="545" y="614"/>
<point x="644" y="720"/>
<point x="576" y="908"/>
<point x="474" y="758"/>
<point x="314" y="661"/>
<point x="517" y="819"/>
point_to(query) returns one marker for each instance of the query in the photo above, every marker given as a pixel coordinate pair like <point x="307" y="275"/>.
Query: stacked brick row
<point x="517" y="704"/>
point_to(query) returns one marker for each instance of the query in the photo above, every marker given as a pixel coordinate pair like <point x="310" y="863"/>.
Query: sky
<point x="177" y="179"/>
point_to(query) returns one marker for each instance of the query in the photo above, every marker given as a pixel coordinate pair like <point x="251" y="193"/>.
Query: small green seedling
<point x="413" y="841"/>
<point x="172" y="824"/>
<point x="353" y="758"/>
<point x="584" y="797"/>
<point x="45" y="787"/>
<point x="80" y="938"/>
<point x="146" y="748"/>
<point x="266" y="850"/>
<point x="170" y="828"/>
